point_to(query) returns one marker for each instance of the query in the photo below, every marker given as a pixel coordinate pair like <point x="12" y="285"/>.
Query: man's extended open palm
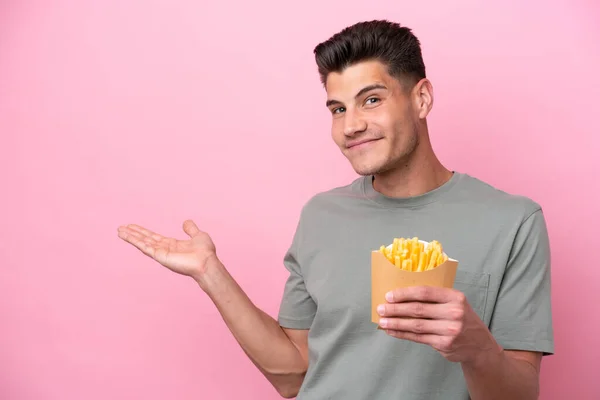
<point x="186" y="257"/>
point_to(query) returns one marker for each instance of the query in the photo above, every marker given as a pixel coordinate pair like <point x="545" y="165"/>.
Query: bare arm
<point x="504" y="375"/>
<point x="280" y="354"/>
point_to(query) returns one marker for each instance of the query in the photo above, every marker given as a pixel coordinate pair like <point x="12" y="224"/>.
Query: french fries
<point x="413" y="255"/>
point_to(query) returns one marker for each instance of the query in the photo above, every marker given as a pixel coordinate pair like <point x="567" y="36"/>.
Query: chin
<point x="365" y="169"/>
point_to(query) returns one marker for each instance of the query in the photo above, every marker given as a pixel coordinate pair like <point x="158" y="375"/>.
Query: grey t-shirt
<point x="502" y="246"/>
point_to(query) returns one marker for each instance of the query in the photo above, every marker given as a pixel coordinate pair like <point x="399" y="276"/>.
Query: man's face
<point x="374" y="119"/>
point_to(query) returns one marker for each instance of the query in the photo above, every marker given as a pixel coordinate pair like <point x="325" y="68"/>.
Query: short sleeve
<point x="297" y="309"/>
<point x="522" y="319"/>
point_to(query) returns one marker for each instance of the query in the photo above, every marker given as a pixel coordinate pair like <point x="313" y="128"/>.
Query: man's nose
<point x="353" y="123"/>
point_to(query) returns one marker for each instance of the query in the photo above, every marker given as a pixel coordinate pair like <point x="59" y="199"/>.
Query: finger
<point x="436" y="341"/>
<point x="190" y="228"/>
<point x="147" y="249"/>
<point x="130" y="236"/>
<point x="140" y="237"/>
<point x="145" y="232"/>
<point x="421" y="326"/>
<point x="414" y="310"/>
<point x="139" y="241"/>
<point x="421" y="293"/>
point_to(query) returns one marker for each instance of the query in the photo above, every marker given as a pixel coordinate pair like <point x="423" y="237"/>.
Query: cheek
<point x="399" y="128"/>
<point x="384" y="122"/>
<point x="337" y="133"/>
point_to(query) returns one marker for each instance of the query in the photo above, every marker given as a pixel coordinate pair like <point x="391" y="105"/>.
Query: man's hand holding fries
<point x="439" y="317"/>
<point x="436" y="316"/>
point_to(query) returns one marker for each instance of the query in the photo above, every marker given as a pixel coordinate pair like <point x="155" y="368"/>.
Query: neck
<point x="419" y="175"/>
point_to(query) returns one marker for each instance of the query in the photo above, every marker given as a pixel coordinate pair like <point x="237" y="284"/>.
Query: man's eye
<point x="338" y="110"/>
<point x="372" y="100"/>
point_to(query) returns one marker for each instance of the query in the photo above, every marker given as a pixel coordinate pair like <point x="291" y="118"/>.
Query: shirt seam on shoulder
<point x="538" y="209"/>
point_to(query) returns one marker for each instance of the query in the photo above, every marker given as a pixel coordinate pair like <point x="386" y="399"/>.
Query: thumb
<point x="190" y="228"/>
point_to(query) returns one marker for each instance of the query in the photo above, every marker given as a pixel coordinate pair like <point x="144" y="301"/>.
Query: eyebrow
<point x="360" y="93"/>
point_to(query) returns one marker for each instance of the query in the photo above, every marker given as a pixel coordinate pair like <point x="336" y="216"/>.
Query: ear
<point x="422" y="95"/>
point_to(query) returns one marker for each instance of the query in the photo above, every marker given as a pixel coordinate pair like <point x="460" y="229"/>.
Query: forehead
<point x="355" y="77"/>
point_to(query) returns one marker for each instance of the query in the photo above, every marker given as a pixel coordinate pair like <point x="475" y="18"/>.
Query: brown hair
<point x="388" y="42"/>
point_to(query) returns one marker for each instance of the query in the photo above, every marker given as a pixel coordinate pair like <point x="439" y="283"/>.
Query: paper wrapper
<point x="386" y="277"/>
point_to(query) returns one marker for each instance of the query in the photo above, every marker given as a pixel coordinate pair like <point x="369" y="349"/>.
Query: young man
<point x="483" y="339"/>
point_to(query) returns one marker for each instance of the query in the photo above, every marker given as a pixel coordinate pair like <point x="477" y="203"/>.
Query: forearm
<point x="259" y="335"/>
<point x="500" y="376"/>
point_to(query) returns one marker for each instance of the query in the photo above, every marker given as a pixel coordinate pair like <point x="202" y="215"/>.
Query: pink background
<point x="152" y="112"/>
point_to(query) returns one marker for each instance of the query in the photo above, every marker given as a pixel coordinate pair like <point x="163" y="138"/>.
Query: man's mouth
<point x="360" y="143"/>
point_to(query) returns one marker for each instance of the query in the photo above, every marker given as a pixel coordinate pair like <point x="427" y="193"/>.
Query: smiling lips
<point x="360" y="143"/>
